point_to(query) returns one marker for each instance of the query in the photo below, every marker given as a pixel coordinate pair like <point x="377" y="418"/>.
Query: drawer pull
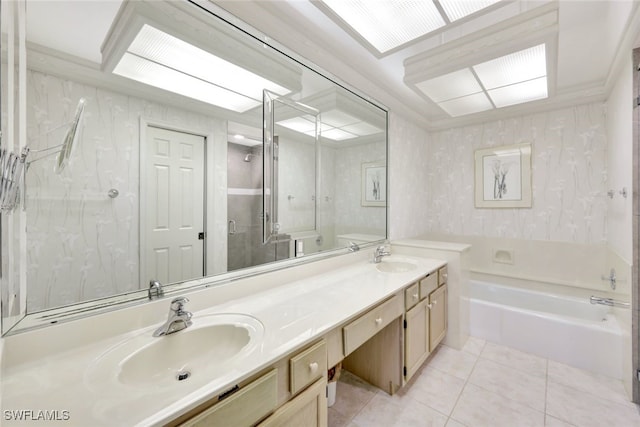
<point x="415" y="296"/>
<point x="430" y="305"/>
<point x="313" y="367"/>
<point x="378" y="320"/>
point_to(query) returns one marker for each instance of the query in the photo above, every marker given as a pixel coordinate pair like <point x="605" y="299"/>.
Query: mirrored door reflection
<point x="244" y="209"/>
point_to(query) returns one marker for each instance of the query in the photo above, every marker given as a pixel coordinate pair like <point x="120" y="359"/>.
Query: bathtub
<point x="566" y="329"/>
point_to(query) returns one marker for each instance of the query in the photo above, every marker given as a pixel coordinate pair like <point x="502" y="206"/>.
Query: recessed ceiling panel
<point x="517" y="67"/>
<point x="518" y="93"/>
<point x="456" y="9"/>
<point x="449" y="86"/>
<point x="390" y="23"/>
<point x="467" y="105"/>
<point x="154" y="74"/>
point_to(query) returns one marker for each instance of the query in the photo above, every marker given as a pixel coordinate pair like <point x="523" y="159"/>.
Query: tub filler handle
<point x="608" y="301"/>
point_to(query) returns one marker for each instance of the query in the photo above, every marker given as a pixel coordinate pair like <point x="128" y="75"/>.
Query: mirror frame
<point x="24" y="321"/>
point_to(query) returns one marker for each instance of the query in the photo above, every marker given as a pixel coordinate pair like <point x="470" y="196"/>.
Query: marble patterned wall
<point x="408" y="178"/>
<point x="569" y="182"/>
<point x="82" y="244"/>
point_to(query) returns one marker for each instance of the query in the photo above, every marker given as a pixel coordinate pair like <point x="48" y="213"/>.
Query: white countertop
<point x="293" y="314"/>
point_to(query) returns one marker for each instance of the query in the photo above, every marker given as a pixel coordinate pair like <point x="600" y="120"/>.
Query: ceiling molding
<point x="625" y="47"/>
<point x="534" y="27"/>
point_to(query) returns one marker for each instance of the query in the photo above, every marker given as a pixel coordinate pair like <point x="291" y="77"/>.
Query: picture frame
<point x="503" y="177"/>
<point x="374" y="184"/>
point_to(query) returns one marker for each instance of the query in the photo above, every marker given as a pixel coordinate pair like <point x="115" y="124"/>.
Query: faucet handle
<point x="178" y="303"/>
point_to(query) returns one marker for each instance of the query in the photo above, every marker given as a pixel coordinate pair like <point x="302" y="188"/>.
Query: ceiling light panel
<point x="194" y="67"/>
<point x="157" y="75"/>
<point x="517" y="67"/>
<point x="456" y="9"/>
<point x="467" y="105"/>
<point x="519" y="93"/>
<point x="338" y="135"/>
<point x="387" y="24"/>
<point x="449" y="86"/>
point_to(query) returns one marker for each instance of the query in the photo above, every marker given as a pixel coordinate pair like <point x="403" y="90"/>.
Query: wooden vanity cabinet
<point x="243" y="408"/>
<point x="308" y="409"/>
<point x="416" y="338"/>
<point x="425" y="323"/>
<point x="292" y="393"/>
<point x="437" y="316"/>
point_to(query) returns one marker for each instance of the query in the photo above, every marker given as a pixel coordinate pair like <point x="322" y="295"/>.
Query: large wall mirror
<point x="152" y="156"/>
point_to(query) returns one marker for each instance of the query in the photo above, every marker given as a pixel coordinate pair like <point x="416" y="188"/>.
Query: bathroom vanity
<point x="299" y="322"/>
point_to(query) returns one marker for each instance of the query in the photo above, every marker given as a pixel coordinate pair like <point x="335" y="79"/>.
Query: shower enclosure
<point x="244" y="210"/>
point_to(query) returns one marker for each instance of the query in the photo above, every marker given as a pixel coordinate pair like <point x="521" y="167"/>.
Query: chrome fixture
<point x="155" y="289"/>
<point x="232" y="227"/>
<point x="353" y="247"/>
<point x="248" y="157"/>
<point x="611" y="278"/>
<point x="178" y="320"/>
<point x="379" y="253"/>
<point x="113" y="193"/>
<point x="608" y="301"/>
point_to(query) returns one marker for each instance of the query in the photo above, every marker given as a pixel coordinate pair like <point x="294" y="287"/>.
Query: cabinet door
<point x="416" y="342"/>
<point x="308" y="409"/>
<point x="437" y="316"/>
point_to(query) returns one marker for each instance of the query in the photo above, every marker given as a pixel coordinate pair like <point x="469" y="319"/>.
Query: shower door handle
<point x="232" y="227"/>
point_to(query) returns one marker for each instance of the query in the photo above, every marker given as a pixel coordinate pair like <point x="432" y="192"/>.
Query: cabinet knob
<point x="445" y="276"/>
<point x="415" y="296"/>
<point x="378" y="320"/>
<point x="313" y="367"/>
<point x="430" y="305"/>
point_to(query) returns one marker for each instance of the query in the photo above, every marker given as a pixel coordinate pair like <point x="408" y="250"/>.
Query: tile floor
<point x="487" y="385"/>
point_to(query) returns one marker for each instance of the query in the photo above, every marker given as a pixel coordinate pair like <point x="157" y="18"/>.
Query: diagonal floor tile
<point x="587" y="410"/>
<point x="511" y="383"/>
<point x="478" y="407"/>
<point x="436" y="389"/>
<point x="453" y="362"/>
<point x="599" y="385"/>
<point x="384" y="410"/>
<point x="532" y="364"/>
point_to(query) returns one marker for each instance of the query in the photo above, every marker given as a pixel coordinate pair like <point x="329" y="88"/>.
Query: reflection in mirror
<point x="166" y="179"/>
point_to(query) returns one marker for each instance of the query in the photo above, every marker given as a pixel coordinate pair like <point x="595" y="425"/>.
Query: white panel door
<point x="173" y="197"/>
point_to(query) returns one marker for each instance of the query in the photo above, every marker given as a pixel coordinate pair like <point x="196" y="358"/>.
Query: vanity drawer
<point x="428" y="285"/>
<point x="411" y="296"/>
<point x="245" y="407"/>
<point x="442" y="276"/>
<point x="360" y="330"/>
<point x="308" y="366"/>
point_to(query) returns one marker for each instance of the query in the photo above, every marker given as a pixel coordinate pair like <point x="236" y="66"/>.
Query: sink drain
<point x="183" y="375"/>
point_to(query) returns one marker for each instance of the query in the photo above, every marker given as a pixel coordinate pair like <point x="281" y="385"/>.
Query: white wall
<point x="408" y="178"/>
<point x="619" y="162"/>
<point x="569" y="177"/>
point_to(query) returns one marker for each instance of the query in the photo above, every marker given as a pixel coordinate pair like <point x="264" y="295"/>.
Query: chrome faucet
<point x="155" y="289"/>
<point x="353" y="247"/>
<point x="178" y="320"/>
<point x="379" y="253"/>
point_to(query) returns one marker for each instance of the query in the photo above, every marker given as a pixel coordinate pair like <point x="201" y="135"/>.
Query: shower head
<point x="248" y="157"/>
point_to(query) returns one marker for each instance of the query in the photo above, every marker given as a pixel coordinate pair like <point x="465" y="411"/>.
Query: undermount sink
<point x="192" y="355"/>
<point x="391" y="265"/>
